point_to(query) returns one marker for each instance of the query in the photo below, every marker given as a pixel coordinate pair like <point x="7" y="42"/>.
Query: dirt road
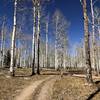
<point x="46" y="90"/>
<point x="39" y="90"/>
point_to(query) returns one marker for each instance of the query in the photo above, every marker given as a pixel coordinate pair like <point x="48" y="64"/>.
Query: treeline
<point x="40" y="39"/>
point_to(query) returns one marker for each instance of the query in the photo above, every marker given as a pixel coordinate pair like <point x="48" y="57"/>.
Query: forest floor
<point x="47" y="86"/>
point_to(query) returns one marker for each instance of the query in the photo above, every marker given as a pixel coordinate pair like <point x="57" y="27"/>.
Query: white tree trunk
<point x="34" y="48"/>
<point x="99" y="27"/>
<point x="56" y="58"/>
<point x="93" y="39"/>
<point x="87" y="45"/>
<point x="38" y="39"/>
<point x="13" y="40"/>
<point x="19" y="50"/>
<point x="33" y="40"/>
<point x="47" y="44"/>
<point x="15" y="55"/>
<point x="98" y="50"/>
<point x="64" y="61"/>
<point x="25" y="52"/>
<point x="21" y="55"/>
<point x="2" y="43"/>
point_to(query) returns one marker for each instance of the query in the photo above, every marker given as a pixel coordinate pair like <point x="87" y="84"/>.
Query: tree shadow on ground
<point x="50" y="74"/>
<point x="55" y="73"/>
<point x="22" y="75"/>
<point x="59" y="73"/>
<point x="93" y="94"/>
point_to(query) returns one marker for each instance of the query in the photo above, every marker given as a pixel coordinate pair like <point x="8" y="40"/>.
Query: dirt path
<point x="46" y="90"/>
<point x="31" y="89"/>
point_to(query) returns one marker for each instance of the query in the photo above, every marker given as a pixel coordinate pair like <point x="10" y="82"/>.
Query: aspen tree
<point x="87" y="45"/>
<point x="61" y="26"/>
<point x="47" y="40"/>
<point x="13" y="40"/>
<point x="34" y="49"/>
<point x="2" y="42"/>
<point x="93" y="39"/>
<point x="38" y="37"/>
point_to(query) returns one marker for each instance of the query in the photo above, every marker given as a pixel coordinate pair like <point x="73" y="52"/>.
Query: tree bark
<point x="87" y="46"/>
<point x="93" y="39"/>
<point x="34" y="41"/>
<point x="2" y="43"/>
<point x="13" y="41"/>
<point x="38" y="39"/>
<point x="46" y="43"/>
<point x="56" y="58"/>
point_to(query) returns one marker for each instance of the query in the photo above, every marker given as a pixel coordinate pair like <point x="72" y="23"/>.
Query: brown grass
<point x="66" y="88"/>
<point x="73" y="88"/>
<point x="12" y="86"/>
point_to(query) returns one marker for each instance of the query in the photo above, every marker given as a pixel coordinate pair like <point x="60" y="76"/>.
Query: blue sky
<point x="71" y="9"/>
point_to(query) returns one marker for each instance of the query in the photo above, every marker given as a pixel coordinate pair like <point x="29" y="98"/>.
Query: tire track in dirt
<point x="46" y="90"/>
<point x="31" y="89"/>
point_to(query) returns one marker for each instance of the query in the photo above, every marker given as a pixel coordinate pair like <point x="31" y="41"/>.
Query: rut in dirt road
<point x="46" y="90"/>
<point x="28" y="91"/>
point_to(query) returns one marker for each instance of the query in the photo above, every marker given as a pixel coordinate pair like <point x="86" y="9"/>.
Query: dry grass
<point x="74" y="88"/>
<point x="12" y="86"/>
<point x="66" y="88"/>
